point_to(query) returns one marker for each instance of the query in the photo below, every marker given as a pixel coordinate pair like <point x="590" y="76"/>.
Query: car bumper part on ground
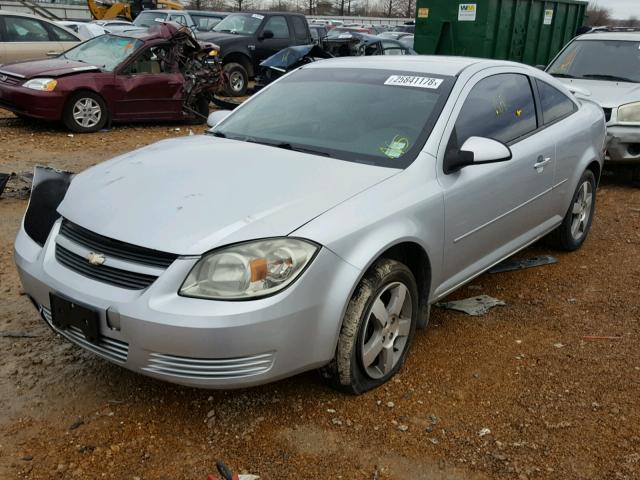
<point x="32" y="103"/>
<point x="623" y="144"/>
<point x="198" y="342"/>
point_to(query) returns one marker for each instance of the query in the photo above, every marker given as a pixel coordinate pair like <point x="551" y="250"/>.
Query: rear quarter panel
<point x="579" y="142"/>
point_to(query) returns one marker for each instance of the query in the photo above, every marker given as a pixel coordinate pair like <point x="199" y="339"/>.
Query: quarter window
<point x="22" y="29"/>
<point x="499" y="107"/>
<point x="278" y="25"/>
<point x="555" y="104"/>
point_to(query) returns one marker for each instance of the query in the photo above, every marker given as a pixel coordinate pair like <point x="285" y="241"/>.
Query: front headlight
<point x="629" y="113"/>
<point x="42" y="84"/>
<point x="249" y="270"/>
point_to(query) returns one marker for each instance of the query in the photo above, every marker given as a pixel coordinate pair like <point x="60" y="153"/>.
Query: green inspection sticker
<point x="396" y="148"/>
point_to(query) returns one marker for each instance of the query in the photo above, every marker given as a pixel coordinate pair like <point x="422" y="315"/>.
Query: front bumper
<point x="623" y="144"/>
<point x="197" y="342"/>
<point x="32" y="103"/>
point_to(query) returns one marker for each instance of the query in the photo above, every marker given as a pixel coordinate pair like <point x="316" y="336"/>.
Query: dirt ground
<point x="557" y="404"/>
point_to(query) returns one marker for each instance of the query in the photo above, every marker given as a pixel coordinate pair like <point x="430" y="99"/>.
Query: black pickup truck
<point x="247" y="38"/>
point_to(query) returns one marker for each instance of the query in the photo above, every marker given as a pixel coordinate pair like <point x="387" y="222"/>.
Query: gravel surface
<point x="530" y="390"/>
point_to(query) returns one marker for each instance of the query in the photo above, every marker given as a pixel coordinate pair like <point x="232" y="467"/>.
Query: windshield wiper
<point x="562" y="75"/>
<point x="288" y="146"/>
<point x="603" y="76"/>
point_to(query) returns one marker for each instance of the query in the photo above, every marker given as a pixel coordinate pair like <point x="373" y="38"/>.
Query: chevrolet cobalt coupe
<point x="282" y="242"/>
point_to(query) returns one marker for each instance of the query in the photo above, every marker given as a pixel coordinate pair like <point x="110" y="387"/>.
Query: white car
<point x="605" y="67"/>
<point x="85" y="30"/>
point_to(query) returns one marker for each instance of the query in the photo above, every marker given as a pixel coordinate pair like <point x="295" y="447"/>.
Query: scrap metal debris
<point x="512" y="264"/>
<point x="17" y="335"/>
<point x="225" y="474"/>
<point x="474" y="306"/>
<point x="16" y="185"/>
<point x="4" y="178"/>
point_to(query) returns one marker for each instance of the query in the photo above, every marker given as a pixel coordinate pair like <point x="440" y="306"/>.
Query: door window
<point x="178" y="19"/>
<point x="555" y="104"/>
<point x="278" y="25"/>
<point x="499" y="107"/>
<point x="22" y="29"/>
<point x="299" y="29"/>
<point x="153" y="60"/>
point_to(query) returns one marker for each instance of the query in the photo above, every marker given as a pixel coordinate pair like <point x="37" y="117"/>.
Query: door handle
<point x="53" y="54"/>
<point x="541" y="163"/>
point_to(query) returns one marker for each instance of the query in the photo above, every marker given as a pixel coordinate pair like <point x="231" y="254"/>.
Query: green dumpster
<point x="527" y="31"/>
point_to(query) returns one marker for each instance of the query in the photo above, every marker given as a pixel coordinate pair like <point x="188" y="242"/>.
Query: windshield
<point x="615" y="60"/>
<point x="377" y="117"/>
<point x="148" y="19"/>
<point x="240" y="23"/>
<point x="105" y="51"/>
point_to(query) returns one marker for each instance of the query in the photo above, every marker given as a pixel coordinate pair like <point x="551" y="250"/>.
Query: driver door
<point x="265" y="47"/>
<point x="148" y="87"/>
<point x="492" y="210"/>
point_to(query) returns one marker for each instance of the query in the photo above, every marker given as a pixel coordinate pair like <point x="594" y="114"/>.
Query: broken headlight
<point x="249" y="270"/>
<point x="42" y="84"/>
<point x="629" y="113"/>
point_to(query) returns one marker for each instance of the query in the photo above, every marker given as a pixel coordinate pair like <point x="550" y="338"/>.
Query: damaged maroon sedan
<point x="159" y="74"/>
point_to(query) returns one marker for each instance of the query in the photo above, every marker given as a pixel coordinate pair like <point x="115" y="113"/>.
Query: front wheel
<point x="85" y="112"/>
<point x="573" y="231"/>
<point x="377" y="329"/>
<point x="237" y="79"/>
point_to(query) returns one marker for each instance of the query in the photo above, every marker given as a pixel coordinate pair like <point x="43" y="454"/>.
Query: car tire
<point x="237" y="79"/>
<point x="635" y="177"/>
<point x="573" y="231"/>
<point x="370" y="349"/>
<point x="85" y="112"/>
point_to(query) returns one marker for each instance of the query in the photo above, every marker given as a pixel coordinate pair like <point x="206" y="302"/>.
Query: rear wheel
<point x="85" y="112"/>
<point x="237" y="79"/>
<point x="573" y="231"/>
<point x="377" y="329"/>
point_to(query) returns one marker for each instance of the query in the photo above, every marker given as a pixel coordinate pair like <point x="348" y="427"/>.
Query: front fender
<point x="407" y="207"/>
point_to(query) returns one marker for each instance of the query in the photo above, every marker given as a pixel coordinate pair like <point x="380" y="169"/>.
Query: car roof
<point x="624" y="36"/>
<point x="206" y="13"/>
<point x="432" y="64"/>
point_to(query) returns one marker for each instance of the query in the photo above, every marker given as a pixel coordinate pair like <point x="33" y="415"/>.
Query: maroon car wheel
<point x="85" y="112"/>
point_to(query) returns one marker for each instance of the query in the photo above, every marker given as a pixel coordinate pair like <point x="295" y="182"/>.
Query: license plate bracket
<point x="66" y="313"/>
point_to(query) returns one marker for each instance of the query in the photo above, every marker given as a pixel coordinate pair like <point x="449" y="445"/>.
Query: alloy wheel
<point x="386" y="330"/>
<point x="87" y="112"/>
<point x="581" y="210"/>
<point x="236" y="80"/>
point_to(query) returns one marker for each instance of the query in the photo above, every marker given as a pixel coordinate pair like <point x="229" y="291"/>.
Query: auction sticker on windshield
<point x="411" y="81"/>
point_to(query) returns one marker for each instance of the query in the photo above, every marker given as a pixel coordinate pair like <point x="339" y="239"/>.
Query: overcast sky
<point x="620" y="8"/>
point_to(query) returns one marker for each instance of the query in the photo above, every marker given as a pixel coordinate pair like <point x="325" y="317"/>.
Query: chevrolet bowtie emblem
<point x="95" y="258"/>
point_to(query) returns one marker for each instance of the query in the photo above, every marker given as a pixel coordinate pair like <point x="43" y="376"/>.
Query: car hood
<point x="50" y="67"/>
<point x="606" y="93"/>
<point x="221" y="38"/>
<point x="189" y="195"/>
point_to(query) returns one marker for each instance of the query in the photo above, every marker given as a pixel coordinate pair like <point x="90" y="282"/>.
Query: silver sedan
<point x="314" y="226"/>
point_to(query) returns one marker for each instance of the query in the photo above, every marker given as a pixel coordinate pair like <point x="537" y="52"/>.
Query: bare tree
<point x="597" y="16"/>
<point x="339" y="6"/>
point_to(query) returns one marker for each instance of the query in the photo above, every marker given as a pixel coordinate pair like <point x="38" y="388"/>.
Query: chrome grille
<point x="208" y="368"/>
<point x="7" y="80"/>
<point x="115" y="248"/>
<point x="109" y="348"/>
<point x="102" y="273"/>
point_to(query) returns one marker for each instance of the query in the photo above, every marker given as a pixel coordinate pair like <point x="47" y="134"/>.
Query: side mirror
<point x="477" y="151"/>
<point x="216" y="117"/>
<point x="266" y="35"/>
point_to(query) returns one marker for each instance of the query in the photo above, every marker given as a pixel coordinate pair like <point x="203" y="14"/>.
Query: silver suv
<point x="606" y="65"/>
